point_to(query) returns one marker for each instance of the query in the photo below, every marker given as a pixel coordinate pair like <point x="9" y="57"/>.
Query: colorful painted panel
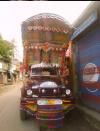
<point x="46" y="29"/>
<point x="88" y="64"/>
<point x="50" y="113"/>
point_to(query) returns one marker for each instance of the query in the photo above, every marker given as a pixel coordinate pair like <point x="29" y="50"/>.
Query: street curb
<point x="91" y="116"/>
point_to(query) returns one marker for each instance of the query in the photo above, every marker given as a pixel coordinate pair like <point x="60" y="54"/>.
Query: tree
<point x="6" y="50"/>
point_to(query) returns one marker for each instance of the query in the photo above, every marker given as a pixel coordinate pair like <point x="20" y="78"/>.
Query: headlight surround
<point x="29" y="92"/>
<point x="68" y="91"/>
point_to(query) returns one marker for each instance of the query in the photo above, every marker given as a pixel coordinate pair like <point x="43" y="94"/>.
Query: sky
<point x="13" y="13"/>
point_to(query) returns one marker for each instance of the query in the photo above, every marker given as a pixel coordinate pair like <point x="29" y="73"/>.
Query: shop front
<point x="86" y="40"/>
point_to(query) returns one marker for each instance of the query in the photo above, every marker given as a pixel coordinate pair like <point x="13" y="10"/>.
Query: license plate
<point x="49" y="102"/>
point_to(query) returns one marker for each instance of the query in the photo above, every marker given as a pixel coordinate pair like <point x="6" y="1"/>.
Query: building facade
<point x="86" y="45"/>
<point x="3" y="72"/>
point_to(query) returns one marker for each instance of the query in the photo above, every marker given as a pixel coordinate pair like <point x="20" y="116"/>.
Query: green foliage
<point x="6" y="50"/>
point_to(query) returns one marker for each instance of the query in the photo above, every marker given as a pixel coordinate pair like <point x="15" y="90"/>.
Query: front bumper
<point x="30" y="105"/>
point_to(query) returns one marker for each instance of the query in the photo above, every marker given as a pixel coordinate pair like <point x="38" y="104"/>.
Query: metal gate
<point x="88" y="67"/>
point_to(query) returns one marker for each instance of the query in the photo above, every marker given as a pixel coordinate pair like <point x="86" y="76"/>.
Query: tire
<point x="23" y="115"/>
<point x="45" y="129"/>
<point x="41" y="128"/>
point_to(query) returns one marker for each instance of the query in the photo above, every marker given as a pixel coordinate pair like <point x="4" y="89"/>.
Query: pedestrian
<point x="15" y="77"/>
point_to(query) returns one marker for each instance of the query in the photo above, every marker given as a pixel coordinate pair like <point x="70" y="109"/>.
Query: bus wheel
<point x="46" y="129"/>
<point x="23" y="115"/>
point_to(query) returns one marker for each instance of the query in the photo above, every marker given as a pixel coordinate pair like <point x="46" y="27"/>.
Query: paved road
<point x="10" y="120"/>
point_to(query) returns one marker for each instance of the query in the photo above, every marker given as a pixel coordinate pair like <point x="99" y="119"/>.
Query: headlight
<point x="55" y="91"/>
<point x="68" y="92"/>
<point x="29" y="92"/>
<point x="43" y="91"/>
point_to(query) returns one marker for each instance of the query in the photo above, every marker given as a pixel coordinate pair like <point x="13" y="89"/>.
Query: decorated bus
<point x="47" y="92"/>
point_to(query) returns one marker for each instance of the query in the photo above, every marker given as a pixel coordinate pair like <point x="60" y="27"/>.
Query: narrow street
<point x="10" y="120"/>
<point x="9" y="112"/>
